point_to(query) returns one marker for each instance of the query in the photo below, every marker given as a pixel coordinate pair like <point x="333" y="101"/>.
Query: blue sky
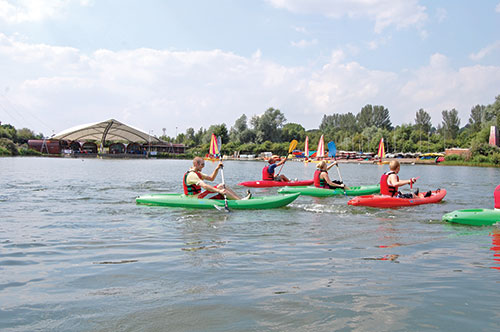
<point x="177" y="64"/>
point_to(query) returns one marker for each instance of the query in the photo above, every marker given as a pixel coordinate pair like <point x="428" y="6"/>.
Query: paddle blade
<point x="332" y="149"/>
<point x="293" y="145"/>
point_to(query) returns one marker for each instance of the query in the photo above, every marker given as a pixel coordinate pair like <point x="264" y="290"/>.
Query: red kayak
<point x="384" y="201"/>
<point x="269" y="183"/>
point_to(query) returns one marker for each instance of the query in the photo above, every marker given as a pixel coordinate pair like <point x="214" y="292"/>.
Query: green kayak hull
<point x="473" y="217"/>
<point x="180" y="200"/>
<point x="321" y="192"/>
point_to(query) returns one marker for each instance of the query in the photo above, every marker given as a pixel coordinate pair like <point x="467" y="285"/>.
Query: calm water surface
<point x="77" y="254"/>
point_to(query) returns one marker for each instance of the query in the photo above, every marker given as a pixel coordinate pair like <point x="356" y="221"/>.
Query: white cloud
<point x="497" y="8"/>
<point x="21" y="11"/>
<point x="304" y="43"/>
<point x="485" y="51"/>
<point x="385" y="13"/>
<point x="441" y="14"/>
<point x="152" y="89"/>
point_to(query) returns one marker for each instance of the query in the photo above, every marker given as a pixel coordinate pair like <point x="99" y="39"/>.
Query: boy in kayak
<point x="322" y="180"/>
<point x="193" y="182"/>
<point x="390" y="182"/>
<point x="268" y="171"/>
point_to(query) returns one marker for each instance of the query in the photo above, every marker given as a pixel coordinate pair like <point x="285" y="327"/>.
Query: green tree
<point x="293" y="131"/>
<point x="477" y="117"/>
<point x="451" y="123"/>
<point x="381" y="117"/>
<point x="365" y="117"/>
<point x="423" y="121"/>
<point x="268" y="126"/>
<point x="240" y="126"/>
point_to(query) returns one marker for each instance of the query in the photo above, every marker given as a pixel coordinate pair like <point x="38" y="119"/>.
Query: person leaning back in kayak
<point x="268" y="171"/>
<point x="193" y="182"/>
<point x="322" y="180"/>
<point x="390" y="182"/>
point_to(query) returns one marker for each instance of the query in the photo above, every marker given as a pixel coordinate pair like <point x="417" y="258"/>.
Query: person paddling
<point x="193" y="182"/>
<point x="322" y="180"/>
<point x="268" y="171"/>
<point x="390" y="182"/>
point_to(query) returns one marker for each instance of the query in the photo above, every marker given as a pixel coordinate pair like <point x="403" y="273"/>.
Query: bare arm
<point x="212" y="176"/>
<point x="330" y="166"/>
<point x="394" y="182"/>
<point x="333" y="184"/>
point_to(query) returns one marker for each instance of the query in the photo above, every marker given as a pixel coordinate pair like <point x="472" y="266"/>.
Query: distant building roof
<point x="109" y="130"/>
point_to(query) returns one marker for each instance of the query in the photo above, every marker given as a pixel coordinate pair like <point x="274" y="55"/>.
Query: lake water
<point x="77" y="253"/>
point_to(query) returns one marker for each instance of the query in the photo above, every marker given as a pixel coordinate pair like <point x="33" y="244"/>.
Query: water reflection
<point x="495" y="240"/>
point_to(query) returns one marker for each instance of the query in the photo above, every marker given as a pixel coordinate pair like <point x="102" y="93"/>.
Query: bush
<point x="481" y="159"/>
<point x="495" y="158"/>
<point x="9" y="145"/>
<point x="29" y="152"/>
<point x="454" y="157"/>
<point x="4" y="151"/>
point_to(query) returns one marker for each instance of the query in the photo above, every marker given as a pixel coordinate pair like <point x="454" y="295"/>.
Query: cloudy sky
<point x="169" y="64"/>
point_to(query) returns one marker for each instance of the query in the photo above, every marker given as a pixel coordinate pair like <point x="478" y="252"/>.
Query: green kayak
<point x="473" y="217"/>
<point x="181" y="200"/>
<point x="321" y="192"/>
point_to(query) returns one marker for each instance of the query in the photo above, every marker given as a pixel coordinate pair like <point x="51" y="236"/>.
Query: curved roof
<point x="110" y="130"/>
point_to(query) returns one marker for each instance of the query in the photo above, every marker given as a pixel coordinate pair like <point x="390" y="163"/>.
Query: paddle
<point x="226" y="207"/>
<point x="411" y="182"/>
<point x="332" y="151"/>
<point x="293" y="145"/>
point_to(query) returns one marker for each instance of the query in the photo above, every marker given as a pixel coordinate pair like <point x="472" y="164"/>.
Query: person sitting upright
<point x="390" y="182"/>
<point x="193" y="182"/>
<point x="322" y="180"/>
<point x="268" y="171"/>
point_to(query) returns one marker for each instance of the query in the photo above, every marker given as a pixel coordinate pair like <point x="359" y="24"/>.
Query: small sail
<point x="321" y="148"/>
<point x="214" y="149"/>
<point x="306" y="147"/>
<point x="381" y="149"/>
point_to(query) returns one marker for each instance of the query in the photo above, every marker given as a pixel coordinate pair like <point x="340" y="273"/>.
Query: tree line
<point x="352" y="132"/>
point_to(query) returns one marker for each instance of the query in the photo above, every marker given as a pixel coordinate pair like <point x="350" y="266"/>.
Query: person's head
<point x="274" y="158"/>
<point x="394" y="166"/>
<point x="321" y="165"/>
<point x="198" y="163"/>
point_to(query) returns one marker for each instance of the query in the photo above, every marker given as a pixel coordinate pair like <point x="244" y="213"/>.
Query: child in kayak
<point x="322" y="180"/>
<point x="390" y="182"/>
<point x="268" y="171"/>
<point x="193" y="183"/>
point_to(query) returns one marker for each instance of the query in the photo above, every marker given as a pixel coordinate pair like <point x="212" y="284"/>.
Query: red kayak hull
<point x="383" y="201"/>
<point x="267" y="183"/>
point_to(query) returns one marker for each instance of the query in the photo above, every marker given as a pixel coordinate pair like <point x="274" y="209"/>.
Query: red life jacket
<point x="266" y="176"/>
<point x="497" y="197"/>
<point x="191" y="189"/>
<point x="318" y="181"/>
<point x="385" y="188"/>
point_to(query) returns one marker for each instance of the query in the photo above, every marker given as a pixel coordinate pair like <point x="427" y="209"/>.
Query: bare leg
<point x="230" y="193"/>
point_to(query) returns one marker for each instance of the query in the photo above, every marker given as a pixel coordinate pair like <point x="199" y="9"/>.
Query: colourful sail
<point x="214" y="148"/>
<point x="306" y="147"/>
<point x="381" y="149"/>
<point x="321" y="148"/>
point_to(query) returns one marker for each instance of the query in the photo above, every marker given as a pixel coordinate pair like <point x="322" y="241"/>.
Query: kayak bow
<point x="473" y="217"/>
